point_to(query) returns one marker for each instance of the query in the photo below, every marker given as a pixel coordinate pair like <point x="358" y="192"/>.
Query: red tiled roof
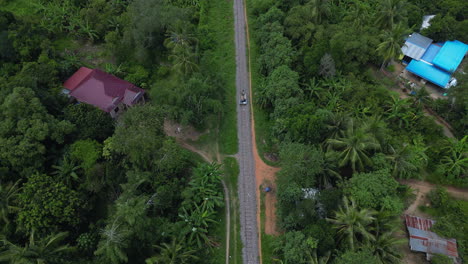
<point x="101" y="89"/>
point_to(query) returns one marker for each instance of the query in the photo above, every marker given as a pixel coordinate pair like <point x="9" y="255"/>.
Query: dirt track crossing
<point x="246" y="182"/>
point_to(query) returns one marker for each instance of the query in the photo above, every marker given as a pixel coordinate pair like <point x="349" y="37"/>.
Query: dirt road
<point x="246" y="182"/>
<point x="423" y="188"/>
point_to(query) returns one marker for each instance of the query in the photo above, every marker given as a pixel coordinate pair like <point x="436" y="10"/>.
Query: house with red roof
<point x="103" y="90"/>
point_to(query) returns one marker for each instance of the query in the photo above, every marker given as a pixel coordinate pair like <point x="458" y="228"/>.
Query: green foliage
<point x="441" y="259"/>
<point x="301" y="164"/>
<point x="281" y="85"/>
<point x="8" y="201"/>
<point x="352" y="224"/>
<point x="86" y="152"/>
<point x="47" y="204"/>
<point x="295" y="247"/>
<point x="25" y="126"/>
<point x="139" y="134"/>
<point x="173" y="253"/>
<point x="451" y="218"/>
<point x="358" y="257"/>
<point x="376" y="190"/>
<point x="148" y="20"/>
<point x="114" y="240"/>
<point x="90" y="122"/>
<point x="86" y="242"/>
<point x="49" y="249"/>
<point x="355" y="146"/>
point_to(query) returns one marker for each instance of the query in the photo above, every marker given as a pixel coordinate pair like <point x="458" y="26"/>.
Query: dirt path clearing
<point x="175" y="130"/>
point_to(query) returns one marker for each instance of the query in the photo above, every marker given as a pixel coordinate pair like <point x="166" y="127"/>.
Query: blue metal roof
<point x="451" y="55"/>
<point x="431" y="53"/>
<point x="429" y="72"/>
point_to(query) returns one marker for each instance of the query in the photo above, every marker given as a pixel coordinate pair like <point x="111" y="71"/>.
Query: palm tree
<point x="172" y="253"/>
<point x="354" y="147"/>
<point x="113" y="240"/>
<point x="180" y="37"/>
<point x="384" y="246"/>
<point x="390" y="47"/>
<point x="456" y="161"/>
<point x="67" y="171"/>
<point x="375" y="126"/>
<point x="391" y="12"/>
<point x="407" y="160"/>
<point x="47" y="250"/>
<point x="352" y="223"/>
<point x="183" y="60"/>
<point x="337" y="124"/>
<point x="329" y="170"/>
<point x="8" y="195"/>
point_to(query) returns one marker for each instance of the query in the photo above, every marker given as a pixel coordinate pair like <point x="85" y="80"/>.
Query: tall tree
<point x="25" y="126"/>
<point x="48" y="203"/>
<point x="354" y="147"/>
<point x="114" y="239"/>
<point x="352" y="223"/>
<point x="391" y="13"/>
<point x="390" y="47"/>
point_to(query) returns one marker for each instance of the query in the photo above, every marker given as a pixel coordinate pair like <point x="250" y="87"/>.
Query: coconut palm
<point x="390" y="47"/>
<point x="180" y="37"/>
<point x="354" y="147"/>
<point x="8" y="195"/>
<point x="352" y="223"/>
<point x="113" y="241"/>
<point x="391" y="12"/>
<point x="384" y="246"/>
<point x="407" y="160"/>
<point x="173" y="253"/>
<point x="183" y="60"/>
<point x="337" y="124"/>
<point x="375" y="126"/>
<point x="47" y="250"/>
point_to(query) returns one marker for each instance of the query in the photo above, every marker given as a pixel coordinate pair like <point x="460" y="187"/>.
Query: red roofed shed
<point x="102" y="90"/>
<point x="422" y="239"/>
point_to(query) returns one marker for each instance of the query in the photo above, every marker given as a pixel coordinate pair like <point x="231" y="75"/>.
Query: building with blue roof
<point x="451" y="55"/>
<point x="434" y="62"/>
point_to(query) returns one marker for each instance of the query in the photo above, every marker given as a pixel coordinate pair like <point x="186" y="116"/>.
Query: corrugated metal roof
<point x="451" y="55"/>
<point x="431" y="53"/>
<point x="429" y="72"/>
<point x="416" y="45"/>
<point x="424" y="240"/>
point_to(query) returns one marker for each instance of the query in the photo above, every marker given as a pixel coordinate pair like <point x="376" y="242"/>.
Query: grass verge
<point x="231" y="172"/>
<point x="267" y="240"/>
<point x="218" y="20"/>
<point x="262" y="122"/>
